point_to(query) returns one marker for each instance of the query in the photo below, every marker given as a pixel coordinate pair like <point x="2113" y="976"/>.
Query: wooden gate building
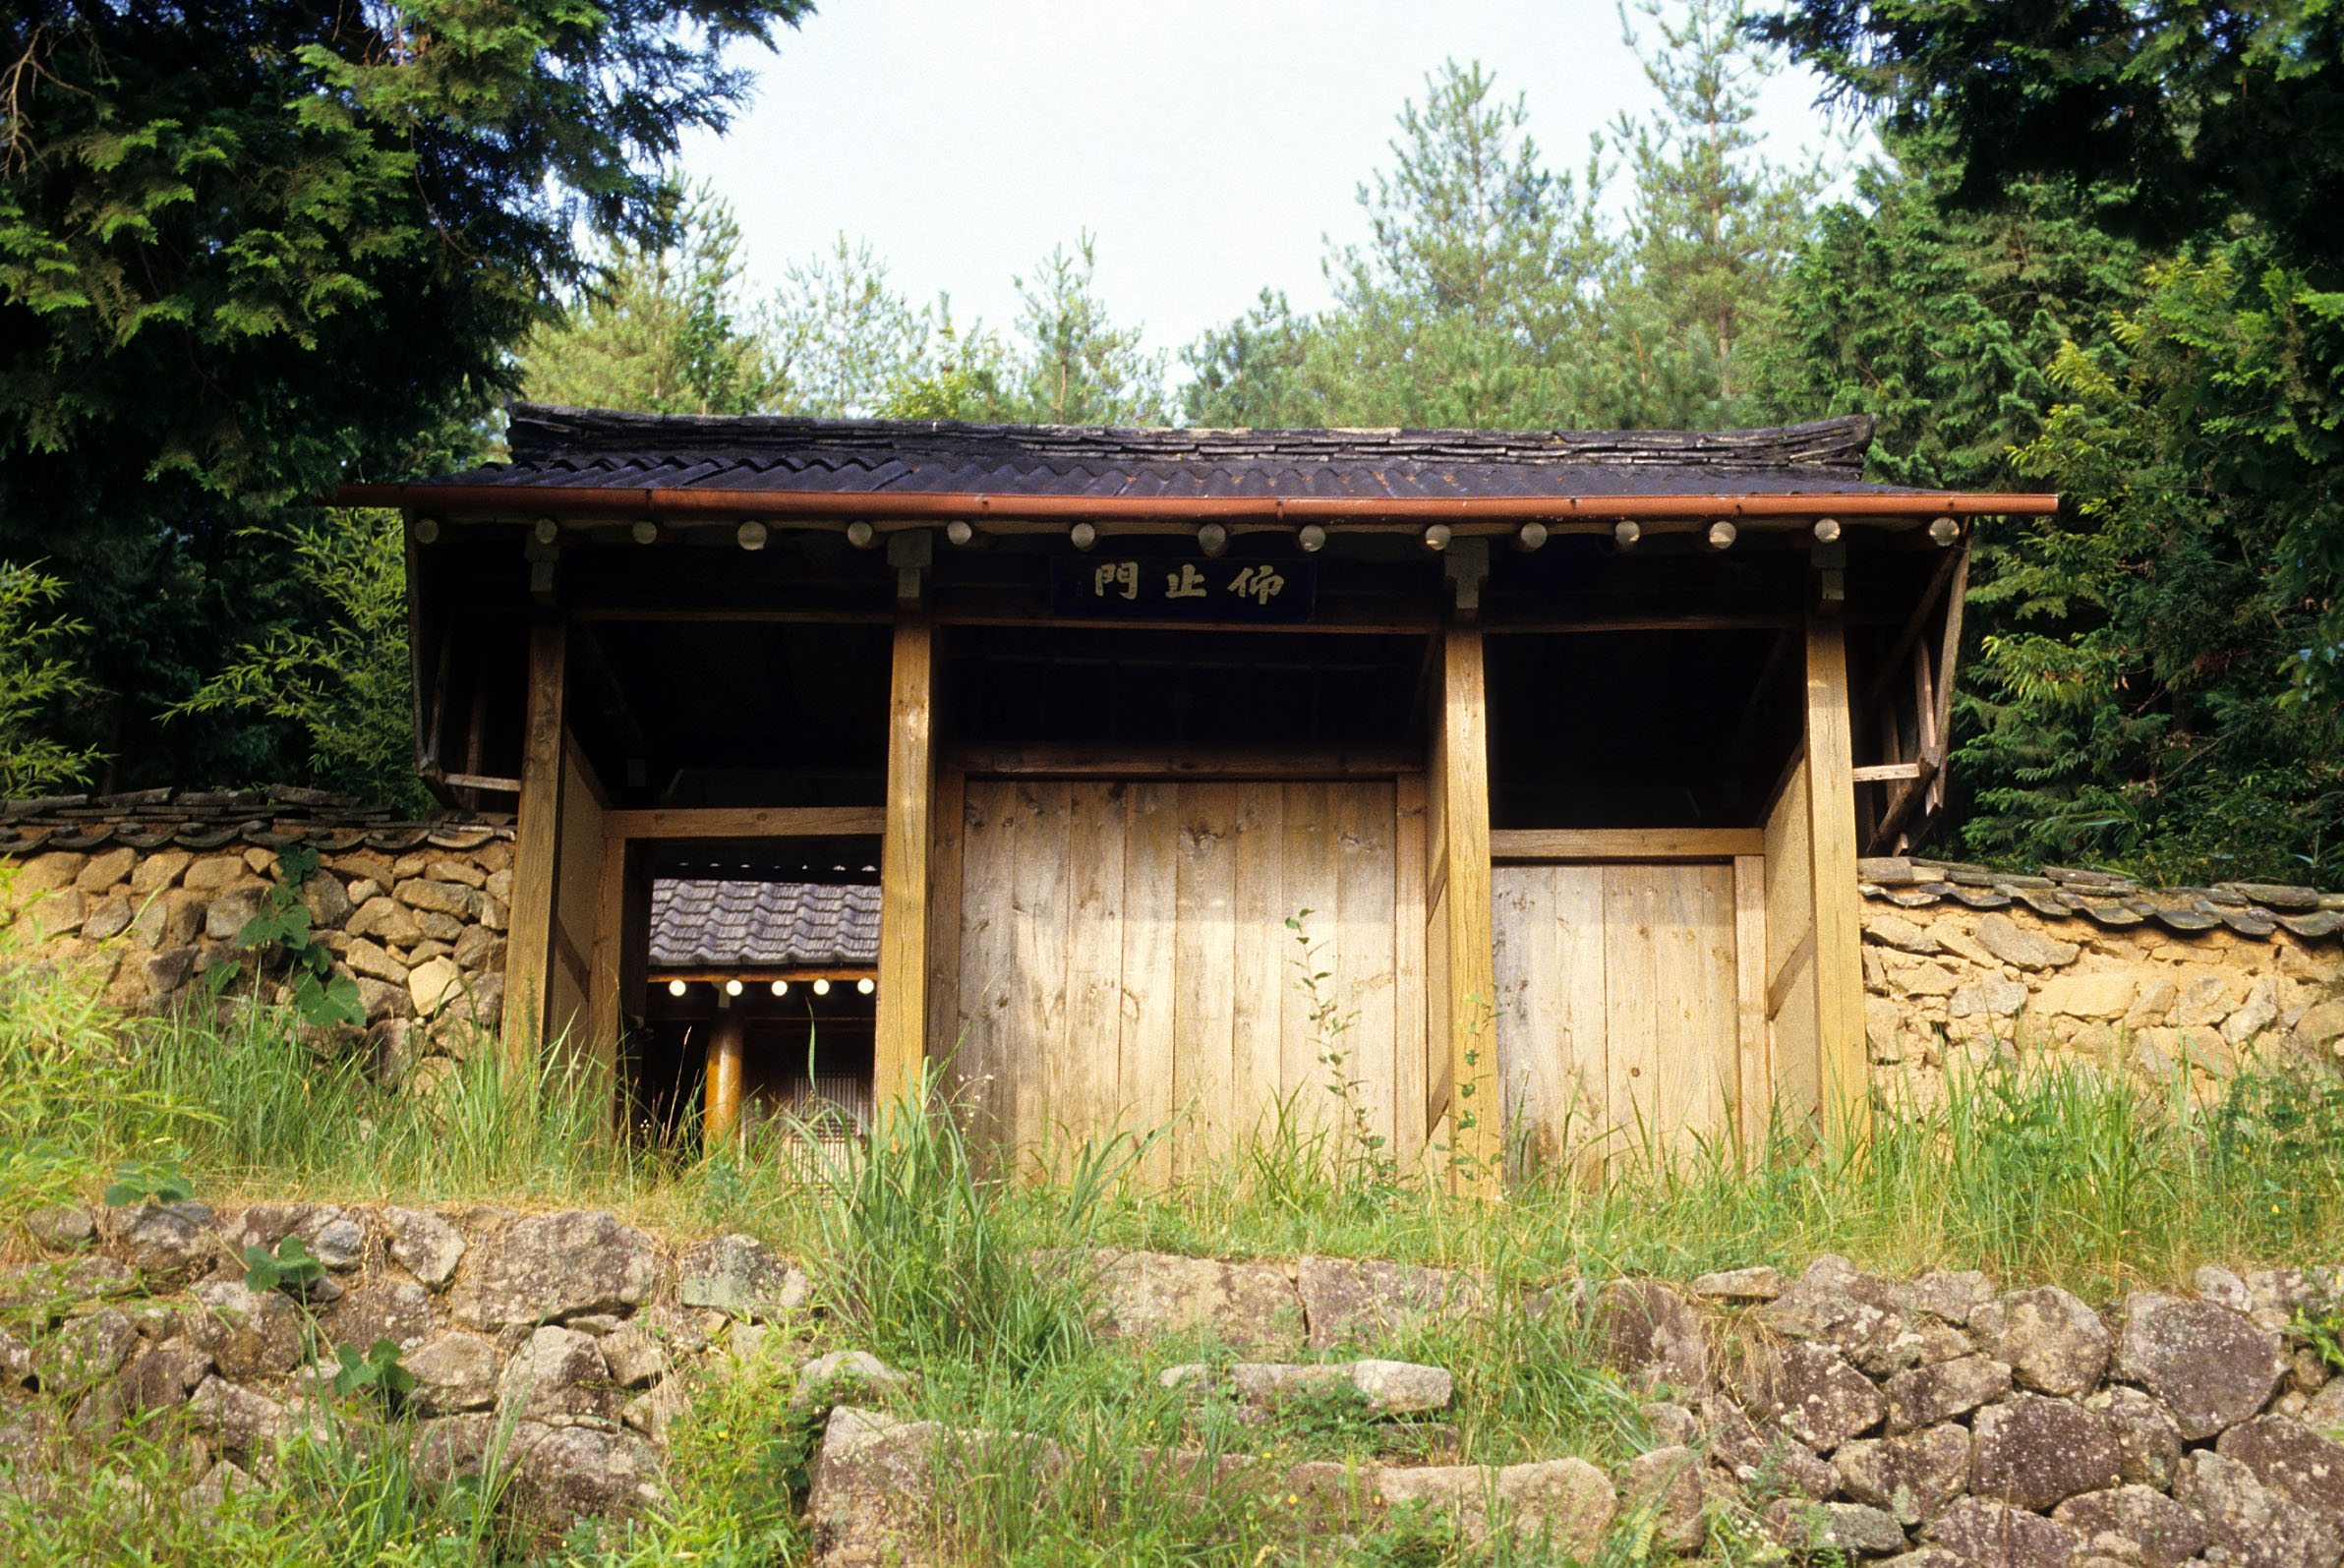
<point x="1501" y="790"/>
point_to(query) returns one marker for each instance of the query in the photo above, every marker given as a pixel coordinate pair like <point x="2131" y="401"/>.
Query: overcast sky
<point x="1209" y="146"/>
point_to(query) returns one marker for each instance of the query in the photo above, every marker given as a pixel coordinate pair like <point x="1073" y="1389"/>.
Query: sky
<point x="1210" y="146"/>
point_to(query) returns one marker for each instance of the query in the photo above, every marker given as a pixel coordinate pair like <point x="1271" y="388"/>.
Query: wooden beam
<point x="722" y="1114"/>
<point x="899" y="1043"/>
<point x="536" y="845"/>
<point x="748" y="822"/>
<point x="1476" y="1132"/>
<point x="1234" y="764"/>
<point x="1886" y="772"/>
<point x="1625" y="844"/>
<point x="1753" y="1092"/>
<point x="1881" y="676"/>
<point x="1839" y="960"/>
<point x="753" y="975"/>
<point x="1949" y="657"/>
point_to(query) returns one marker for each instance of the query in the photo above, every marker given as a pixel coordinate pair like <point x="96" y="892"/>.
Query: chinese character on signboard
<point x="1142" y="588"/>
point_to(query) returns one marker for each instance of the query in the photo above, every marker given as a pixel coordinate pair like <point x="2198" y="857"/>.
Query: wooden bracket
<point x="910" y="552"/>
<point x="1830" y="562"/>
<point x="543" y="558"/>
<point x="1466" y="564"/>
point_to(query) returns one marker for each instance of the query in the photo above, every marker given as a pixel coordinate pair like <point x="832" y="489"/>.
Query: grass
<point x="977" y="1286"/>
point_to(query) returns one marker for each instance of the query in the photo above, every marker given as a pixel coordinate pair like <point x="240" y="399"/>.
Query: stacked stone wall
<point x="144" y="907"/>
<point x="2086" y="968"/>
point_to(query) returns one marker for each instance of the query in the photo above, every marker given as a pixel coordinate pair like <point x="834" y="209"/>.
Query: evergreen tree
<point x="1070" y="364"/>
<point x="841" y="338"/>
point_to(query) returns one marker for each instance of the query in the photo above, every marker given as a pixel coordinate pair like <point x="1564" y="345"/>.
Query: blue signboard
<point x="1151" y="588"/>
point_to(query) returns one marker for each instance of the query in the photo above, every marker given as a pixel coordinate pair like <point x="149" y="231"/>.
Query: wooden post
<point x="1468" y="943"/>
<point x="537" y="848"/>
<point x="606" y="994"/>
<point x="901" y="1040"/>
<point x="1839" y="960"/>
<point x="1754" y="1089"/>
<point x="722" y="1118"/>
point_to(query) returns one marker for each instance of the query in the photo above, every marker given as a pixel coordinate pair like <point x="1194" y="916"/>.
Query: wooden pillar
<point x="606" y="967"/>
<point x="899" y="1045"/>
<point x="1463" y="944"/>
<point x="722" y="1118"/>
<point x="537" y="848"/>
<point x="1839" y="960"/>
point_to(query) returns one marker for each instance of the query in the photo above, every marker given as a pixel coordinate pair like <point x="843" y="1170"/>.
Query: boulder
<point x="552" y="1266"/>
<point x="1649" y="1331"/>
<point x="2020" y="948"/>
<point x="1367" y="1301"/>
<point x="1927" y="1395"/>
<point x="1251" y="1307"/>
<point x="61" y="1226"/>
<point x="1811" y="1392"/>
<point x="166" y="1243"/>
<point x="423" y="1245"/>
<point x="739" y="1276"/>
<point x="385" y="1305"/>
<point x="1951" y="1297"/>
<point x="2147" y="1442"/>
<point x="2210" y="1366"/>
<point x="557" y="1377"/>
<point x="635" y="1358"/>
<point x="161" y="1376"/>
<point x="873" y="1479"/>
<point x="565" y="1476"/>
<point x="1566" y="1504"/>
<point x="1991" y="1534"/>
<point x="249" y="1334"/>
<point x="2291" y="1459"/>
<point x="1910" y="1477"/>
<point x="1854" y="1313"/>
<point x="453" y="1372"/>
<point x="2254" y="1526"/>
<point x="1852" y="1530"/>
<point x="2035" y="1452"/>
<point x="2053" y="1342"/>
<point x="1665" y="1486"/>
<point x="1770" y="1459"/>
<point x="2136" y="1525"/>
<point x="89" y="1348"/>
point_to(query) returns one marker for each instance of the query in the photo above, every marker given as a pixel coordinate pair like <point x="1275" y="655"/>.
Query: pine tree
<point x="1070" y="364"/>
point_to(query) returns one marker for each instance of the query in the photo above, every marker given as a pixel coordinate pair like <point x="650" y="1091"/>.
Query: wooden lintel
<point x="747" y="822"/>
<point x="1886" y="772"/>
<point x="1625" y="844"/>
<point x="1103" y="762"/>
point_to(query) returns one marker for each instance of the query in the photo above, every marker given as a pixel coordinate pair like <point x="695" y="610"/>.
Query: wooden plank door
<point x="1619" y="1017"/>
<point x="1125" y="964"/>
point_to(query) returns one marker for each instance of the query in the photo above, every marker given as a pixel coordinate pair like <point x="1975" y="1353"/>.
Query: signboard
<point x="1152" y="588"/>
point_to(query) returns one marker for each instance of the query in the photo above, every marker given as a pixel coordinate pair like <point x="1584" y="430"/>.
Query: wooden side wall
<point x="570" y="1009"/>
<point x="529" y="937"/>
<point x="1124" y="959"/>
<point x="1790" y="949"/>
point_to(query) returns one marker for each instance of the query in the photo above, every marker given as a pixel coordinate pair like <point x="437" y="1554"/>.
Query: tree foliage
<point x="248" y="250"/>
<point x="34" y="681"/>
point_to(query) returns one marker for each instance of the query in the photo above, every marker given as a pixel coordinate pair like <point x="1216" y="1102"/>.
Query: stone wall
<point x="145" y="895"/>
<point x="1941" y="1423"/>
<point x="1962" y="964"/>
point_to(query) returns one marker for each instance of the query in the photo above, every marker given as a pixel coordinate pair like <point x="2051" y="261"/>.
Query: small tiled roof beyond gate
<point x="763" y="924"/>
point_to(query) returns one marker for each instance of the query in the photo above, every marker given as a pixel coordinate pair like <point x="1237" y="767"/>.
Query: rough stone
<point x="432" y="984"/>
<point x="1389" y="1388"/>
<point x="1892" y="931"/>
<point x="1665" y="1485"/>
<point x="166" y="1242"/>
<point x="1806" y="1528"/>
<point x="654" y="1412"/>
<point x="562" y="1476"/>
<point x="2326" y="1412"/>
<point x="339" y="1242"/>
<point x="1760" y="1284"/>
<point x="740" y="1276"/>
<point x="1991" y="1534"/>
<point x="2035" y="1452"/>
<point x="1771" y="1457"/>
<point x="1811" y="1392"/>
<point x="2106" y="995"/>
<point x="557" y="1377"/>
<point x="551" y="1266"/>
<point x="2256" y="1526"/>
<point x="386" y="918"/>
<point x="2015" y="944"/>
<point x="108" y="917"/>
<point x="1912" y="1476"/>
<point x="375" y="962"/>
<point x="61" y="1226"/>
<point x="635" y="1358"/>
<point x="2135" y="1525"/>
<point x="232" y="911"/>
<point x="843" y="1371"/>
<point x="2292" y="1461"/>
<point x="247" y="1334"/>
<point x="443" y="898"/>
<point x="326" y="900"/>
<point x="1567" y="1503"/>
<point x="1251" y="1307"/>
<point x="453" y="1372"/>
<point x="158" y="870"/>
<point x="1988" y="996"/>
<point x="1366" y="1301"/>
<point x="1648" y="1330"/>
<point x="1951" y="1297"/>
<point x="89" y="1348"/>
<point x="423" y="1245"/>
<point x="2210" y="1366"/>
<point x="2053" y="1342"/>
<point x="240" y="1421"/>
<point x="388" y="1306"/>
<point x="1854" y="1313"/>
<point x="2147" y="1442"/>
<point x="872" y="1483"/>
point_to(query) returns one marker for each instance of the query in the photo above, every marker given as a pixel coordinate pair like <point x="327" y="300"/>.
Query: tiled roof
<point x="761" y="924"/>
<point x="274" y="818"/>
<point x="2058" y="892"/>
<point x="593" y="448"/>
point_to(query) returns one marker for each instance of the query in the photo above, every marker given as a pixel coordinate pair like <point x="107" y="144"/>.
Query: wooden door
<point x="1620" y="1008"/>
<point x="1124" y="962"/>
